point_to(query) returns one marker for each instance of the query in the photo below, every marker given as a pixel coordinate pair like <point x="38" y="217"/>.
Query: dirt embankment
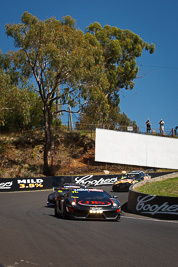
<point x="21" y="155"/>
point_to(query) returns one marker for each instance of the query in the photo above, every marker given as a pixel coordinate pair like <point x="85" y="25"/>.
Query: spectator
<point x="161" y="128"/>
<point x="148" y="126"/>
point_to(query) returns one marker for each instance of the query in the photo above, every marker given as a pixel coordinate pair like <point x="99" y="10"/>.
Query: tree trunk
<point x="49" y="142"/>
<point x="58" y="105"/>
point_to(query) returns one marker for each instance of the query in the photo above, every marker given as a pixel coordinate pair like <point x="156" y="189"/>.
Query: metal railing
<point x="90" y="128"/>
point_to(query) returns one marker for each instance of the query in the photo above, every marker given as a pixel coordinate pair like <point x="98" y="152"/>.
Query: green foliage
<point x="56" y="54"/>
<point x="69" y="21"/>
<point x="124" y="121"/>
<point x="19" y="108"/>
<point x="120" y="50"/>
<point x="35" y="150"/>
<point x="91" y="118"/>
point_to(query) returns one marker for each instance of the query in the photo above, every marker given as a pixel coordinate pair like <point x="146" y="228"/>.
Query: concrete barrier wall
<point x="153" y="206"/>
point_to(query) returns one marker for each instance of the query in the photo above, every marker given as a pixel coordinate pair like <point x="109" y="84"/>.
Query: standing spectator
<point x="148" y="126"/>
<point x="161" y="128"/>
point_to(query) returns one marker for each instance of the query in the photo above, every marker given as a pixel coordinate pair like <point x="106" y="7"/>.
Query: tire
<point x="63" y="214"/>
<point x="56" y="213"/>
<point x="118" y="218"/>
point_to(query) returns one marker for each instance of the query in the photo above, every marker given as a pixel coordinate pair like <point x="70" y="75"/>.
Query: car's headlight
<point x="114" y="204"/>
<point x="96" y="211"/>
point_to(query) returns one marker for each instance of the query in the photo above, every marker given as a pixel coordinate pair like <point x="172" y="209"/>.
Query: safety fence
<point x="90" y="129"/>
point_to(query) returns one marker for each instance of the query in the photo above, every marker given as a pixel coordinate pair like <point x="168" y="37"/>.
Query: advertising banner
<point x="136" y="149"/>
<point x="41" y="183"/>
<point x="153" y="206"/>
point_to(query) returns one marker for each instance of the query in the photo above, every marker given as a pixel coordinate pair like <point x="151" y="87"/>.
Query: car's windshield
<point x="128" y="176"/>
<point x="89" y="194"/>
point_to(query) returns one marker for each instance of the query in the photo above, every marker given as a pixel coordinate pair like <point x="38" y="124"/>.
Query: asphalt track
<point x="31" y="236"/>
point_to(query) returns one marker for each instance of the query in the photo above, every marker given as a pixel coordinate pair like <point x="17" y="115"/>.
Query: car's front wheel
<point x="118" y="218"/>
<point x="56" y="210"/>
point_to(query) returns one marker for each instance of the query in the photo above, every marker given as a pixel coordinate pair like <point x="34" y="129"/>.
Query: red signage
<point x="94" y="203"/>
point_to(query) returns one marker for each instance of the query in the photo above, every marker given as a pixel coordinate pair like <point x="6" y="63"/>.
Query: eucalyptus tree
<point x="56" y="54"/>
<point x="19" y="105"/>
<point x="20" y="109"/>
<point x="4" y="82"/>
<point x="121" y="48"/>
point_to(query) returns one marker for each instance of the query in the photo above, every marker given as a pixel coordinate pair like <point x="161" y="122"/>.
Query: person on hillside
<point x="148" y="126"/>
<point x="161" y="127"/>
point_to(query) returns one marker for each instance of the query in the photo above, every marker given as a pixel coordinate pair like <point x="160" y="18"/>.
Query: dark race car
<point x="139" y="175"/>
<point x="64" y="188"/>
<point x="93" y="204"/>
<point x="123" y="184"/>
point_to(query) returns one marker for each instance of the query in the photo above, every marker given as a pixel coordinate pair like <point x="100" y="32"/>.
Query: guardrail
<point x="90" y="128"/>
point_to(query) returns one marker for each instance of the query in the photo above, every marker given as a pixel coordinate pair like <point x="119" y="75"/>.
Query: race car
<point x="123" y="184"/>
<point x="139" y="175"/>
<point x="91" y="204"/>
<point x="65" y="187"/>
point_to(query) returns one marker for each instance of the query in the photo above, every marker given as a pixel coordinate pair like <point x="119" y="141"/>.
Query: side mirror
<point x="115" y="196"/>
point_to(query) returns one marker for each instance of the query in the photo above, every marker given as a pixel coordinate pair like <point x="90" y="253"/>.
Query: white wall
<point x="136" y="149"/>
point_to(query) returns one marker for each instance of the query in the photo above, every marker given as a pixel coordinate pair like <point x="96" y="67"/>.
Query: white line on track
<point x="149" y="219"/>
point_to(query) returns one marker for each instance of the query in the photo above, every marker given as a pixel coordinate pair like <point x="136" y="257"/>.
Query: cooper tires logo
<point x="88" y="180"/>
<point x="144" y="206"/>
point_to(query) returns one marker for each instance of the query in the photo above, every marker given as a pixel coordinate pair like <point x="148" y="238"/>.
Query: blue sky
<point x="155" y="95"/>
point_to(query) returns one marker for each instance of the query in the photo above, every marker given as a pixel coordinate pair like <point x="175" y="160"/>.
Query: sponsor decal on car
<point x="125" y="181"/>
<point x="145" y="207"/>
<point x="30" y="183"/>
<point x="147" y="178"/>
<point x="94" y="203"/>
<point x="6" y="185"/>
<point x="88" y="180"/>
<point x="86" y="190"/>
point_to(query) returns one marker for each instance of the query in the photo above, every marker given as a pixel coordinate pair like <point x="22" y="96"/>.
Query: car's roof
<point x="68" y="186"/>
<point x="73" y="185"/>
<point x="135" y="172"/>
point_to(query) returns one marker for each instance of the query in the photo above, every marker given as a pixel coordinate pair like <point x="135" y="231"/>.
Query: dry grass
<point x="21" y="155"/>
